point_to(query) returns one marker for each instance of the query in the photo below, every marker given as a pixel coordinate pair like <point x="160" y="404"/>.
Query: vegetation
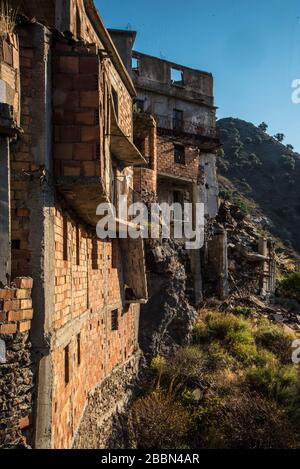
<point x="270" y="172"/>
<point x="289" y="287"/>
<point x="263" y="126"/>
<point x="234" y="387"/>
<point x="280" y="137"/>
<point x="288" y="162"/>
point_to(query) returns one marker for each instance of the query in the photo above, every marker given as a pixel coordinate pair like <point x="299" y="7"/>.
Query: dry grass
<point x="7" y="19"/>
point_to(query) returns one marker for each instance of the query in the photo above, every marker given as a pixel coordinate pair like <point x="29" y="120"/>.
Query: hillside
<point x="262" y="176"/>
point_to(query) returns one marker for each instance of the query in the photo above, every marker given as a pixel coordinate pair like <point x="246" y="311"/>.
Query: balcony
<point x="193" y="132"/>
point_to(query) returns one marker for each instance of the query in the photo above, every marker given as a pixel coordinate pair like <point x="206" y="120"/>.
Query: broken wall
<point x="16" y="365"/>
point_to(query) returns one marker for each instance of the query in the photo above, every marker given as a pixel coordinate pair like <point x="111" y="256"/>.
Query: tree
<point x="263" y="126"/>
<point x="290" y="147"/>
<point x="288" y="162"/>
<point x="280" y="137"/>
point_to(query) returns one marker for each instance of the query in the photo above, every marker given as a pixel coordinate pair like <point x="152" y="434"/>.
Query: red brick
<point x="89" y="65"/>
<point x="23" y="212"/>
<point x="86" y="83"/>
<point x="25" y="62"/>
<point x="8" y="328"/>
<point x="67" y="133"/>
<point x="9" y="305"/>
<point x="63" y="81"/>
<point x="23" y="282"/>
<point x="84" y="151"/>
<point x="24" y="422"/>
<point x="85" y="118"/>
<point x="23" y="294"/>
<point x="89" y="168"/>
<point x="63" y="116"/>
<point x="66" y="99"/>
<point x="69" y="65"/>
<point x="63" y="151"/>
<point x="71" y="170"/>
<point x="90" y="134"/>
<point x="89" y="99"/>
<point x="25" y="304"/>
<point x="7" y="294"/>
<point x="24" y="326"/>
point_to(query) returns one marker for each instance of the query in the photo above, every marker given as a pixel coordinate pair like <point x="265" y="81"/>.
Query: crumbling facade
<point x="181" y="159"/>
<point x="68" y="147"/>
<point x="74" y="133"/>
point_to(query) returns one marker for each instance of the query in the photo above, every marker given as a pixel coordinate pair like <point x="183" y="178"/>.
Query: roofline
<point x="103" y="33"/>
<point x="172" y="63"/>
<point x="127" y="32"/>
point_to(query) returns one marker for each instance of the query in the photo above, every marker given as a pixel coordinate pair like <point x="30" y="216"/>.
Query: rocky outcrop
<point x="167" y="319"/>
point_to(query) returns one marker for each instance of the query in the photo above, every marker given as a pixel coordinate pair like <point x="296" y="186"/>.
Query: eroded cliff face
<point x="167" y="319"/>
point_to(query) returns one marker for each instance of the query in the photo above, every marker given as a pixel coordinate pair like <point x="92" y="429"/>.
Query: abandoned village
<point x="84" y="119"/>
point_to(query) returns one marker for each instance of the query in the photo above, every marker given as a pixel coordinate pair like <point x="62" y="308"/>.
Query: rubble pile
<point x="246" y="269"/>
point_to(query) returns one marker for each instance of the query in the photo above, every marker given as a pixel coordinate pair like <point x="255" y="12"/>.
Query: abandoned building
<point x="181" y="103"/>
<point x="83" y="120"/>
<point x="66" y="136"/>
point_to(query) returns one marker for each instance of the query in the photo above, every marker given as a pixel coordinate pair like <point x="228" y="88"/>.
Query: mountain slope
<point x="263" y="176"/>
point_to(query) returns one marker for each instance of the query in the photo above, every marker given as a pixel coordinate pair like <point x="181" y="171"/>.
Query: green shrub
<point x="287" y="162"/>
<point x="276" y="340"/>
<point x="289" y="287"/>
<point x="157" y="421"/>
<point x="277" y="383"/>
<point x="244" y="311"/>
<point x="251" y="422"/>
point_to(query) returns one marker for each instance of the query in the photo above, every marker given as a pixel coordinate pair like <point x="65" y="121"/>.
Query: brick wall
<point x="145" y="180"/>
<point x="76" y="101"/>
<point x="16" y="368"/>
<point x="166" y="163"/>
<point x="88" y="288"/>
<point x="23" y="162"/>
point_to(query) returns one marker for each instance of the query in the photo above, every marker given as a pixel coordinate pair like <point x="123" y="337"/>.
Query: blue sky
<point x="252" y="47"/>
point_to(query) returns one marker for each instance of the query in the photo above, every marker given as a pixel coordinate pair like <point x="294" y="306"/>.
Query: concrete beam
<point x="5" y="220"/>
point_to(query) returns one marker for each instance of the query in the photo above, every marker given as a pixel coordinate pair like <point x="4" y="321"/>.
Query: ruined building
<point x="181" y="102"/>
<point x="66" y="145"/>
<point x="69" y="140"/>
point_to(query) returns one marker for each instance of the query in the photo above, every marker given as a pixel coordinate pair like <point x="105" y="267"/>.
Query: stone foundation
<point x="16" y="365"/>
<point x="102" y="421"/>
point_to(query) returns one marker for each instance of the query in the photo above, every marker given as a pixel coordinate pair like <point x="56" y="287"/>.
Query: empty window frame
<point x="95" y="264"/>
<point x="179" y="154"/>
<point x="67" y="364"/>
<point x="65" y="237"/>
<point x="78" y="349"/>
<point x="135" y="65"/>
<point x="115" y="320"/>
<point x="177" y="120"/>
<point x="138" y="105"/>
<point x="176" y="76"/>
<point x="115" y="99"/>
<point x="77" y="245"/>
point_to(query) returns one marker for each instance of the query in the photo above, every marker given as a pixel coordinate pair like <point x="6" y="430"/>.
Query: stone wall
<point x="102" y="423"/>
<point x="16" y="367"/>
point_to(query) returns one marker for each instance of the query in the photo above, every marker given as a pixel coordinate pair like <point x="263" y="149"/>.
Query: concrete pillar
<point x="195" y="256"/>
<point x="5" y="217"/>
<point x="264" y="279"/>
<point x="218" y="262"/>
<point x="153" y="148"/>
